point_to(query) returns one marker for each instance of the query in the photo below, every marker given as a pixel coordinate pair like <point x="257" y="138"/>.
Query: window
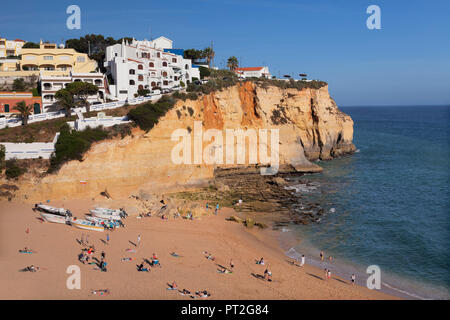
<point x="164" y="74"/>
<point x="174" y="60"/>
<point x="140" y="87"/>
<point x="141" y="77"/>
<point x="123" y="91"/>
<point x="153" y="84"/>
<point x="6" y="107"/>
<point x="151" y="65"/>
<point x="47" y="86"/>
<point x="48" y="57"/>
<point x="164" y="64"/>
<point x="186" y="67"/>
<point x="132" y="83"/>
<point x="98" y="82"/>
<point x="30" y="58"/>
<point x="140" y="67"/>
<point x="80" y="59"/>
<point x="64" y="58"/>
<point x="165" y="82"/>
<point x="132" y="71"/>
<point x="158" y="55"/>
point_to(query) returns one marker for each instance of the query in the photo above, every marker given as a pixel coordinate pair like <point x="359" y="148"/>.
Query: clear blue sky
<point x="406" y="62"/>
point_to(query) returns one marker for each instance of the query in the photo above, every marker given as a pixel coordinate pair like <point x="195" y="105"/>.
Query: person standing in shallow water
<point x="302" y="263"/>
<point x="321" y="255"/>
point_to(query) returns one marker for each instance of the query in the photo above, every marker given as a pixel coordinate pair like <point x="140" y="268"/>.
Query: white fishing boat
<point x="55" y="218"/>
<point x="87" y="225"/>
<point x="52" y="210"/>
<point x="105" y="215"/>
<point x="108" y="222"/>
<point x="119" y="212"/>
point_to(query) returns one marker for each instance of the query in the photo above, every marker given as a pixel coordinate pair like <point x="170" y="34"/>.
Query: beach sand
<point x="57" y="248"/>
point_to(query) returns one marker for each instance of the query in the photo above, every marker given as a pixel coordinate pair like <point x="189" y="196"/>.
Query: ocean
<point x="386" y="205"/>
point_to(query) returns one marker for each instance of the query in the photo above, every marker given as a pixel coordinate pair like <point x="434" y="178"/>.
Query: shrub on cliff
<point x="2" y="157"/>
<point x="290" y="84"/>
<point x="147" y="115"/>
<point x="13" y="170"/>
<point x="71" y="145"/>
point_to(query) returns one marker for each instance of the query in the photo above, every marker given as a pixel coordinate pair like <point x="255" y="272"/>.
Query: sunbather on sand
<point x="31" y="268"/>
<point x="267" y="275"/>
<point x="260" y="261"/>
<point x="184" y="292"/>
<point x="141" y="268"/>
<point x="172" y="286"/>
<point x="203" y="294"/>
<point x="225" y="270"/>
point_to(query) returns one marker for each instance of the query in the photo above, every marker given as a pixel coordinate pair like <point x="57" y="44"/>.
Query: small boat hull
<point x="87" y="225"/>
<point x="54" y="218"/>
<point x="105" y="215"/>
<point x="52" y="210"/>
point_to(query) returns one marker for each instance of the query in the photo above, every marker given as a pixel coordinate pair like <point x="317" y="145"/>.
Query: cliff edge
<point x="310" y="127"/>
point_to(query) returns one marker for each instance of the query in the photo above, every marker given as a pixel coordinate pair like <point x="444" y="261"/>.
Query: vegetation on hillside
<point x="71" y="145"/>
<point x="146" y="115"/>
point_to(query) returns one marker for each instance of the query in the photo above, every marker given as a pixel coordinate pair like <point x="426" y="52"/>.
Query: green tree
<point x="232" y="63"/>
<point x="204" y="72"/>
<point x="81" y="91"/>
<point x="19" y="85"/>
<point x="30" y="45"/>
<point x="24" y="110"/>
<point x="208" y="54"/>
<point x="193" y="54"/>
<point x="65" y="100"/>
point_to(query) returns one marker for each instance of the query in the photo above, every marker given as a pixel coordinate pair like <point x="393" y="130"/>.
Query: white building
<point x="146" y="65"/>
<point x="10" y="47"/>
<point x="253" y="72"/>
<point x="50" y="84"/>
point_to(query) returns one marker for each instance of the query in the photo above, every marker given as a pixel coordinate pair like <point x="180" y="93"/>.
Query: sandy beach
<point x="57" y="248"/>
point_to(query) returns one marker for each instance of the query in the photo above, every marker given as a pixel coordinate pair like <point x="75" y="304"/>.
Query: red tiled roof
<point x="249" y="69"/>
<point x="134" y="60"/>
<point x="20" y="40"/>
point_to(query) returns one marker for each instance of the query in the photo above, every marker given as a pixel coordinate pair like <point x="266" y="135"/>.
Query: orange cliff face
<point x="310" y="127"/>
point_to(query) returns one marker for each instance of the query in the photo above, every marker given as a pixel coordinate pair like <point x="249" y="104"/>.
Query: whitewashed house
<point x="50" y="84"/>
<point x="146" y="65"/>
<point x="249" y="72"/>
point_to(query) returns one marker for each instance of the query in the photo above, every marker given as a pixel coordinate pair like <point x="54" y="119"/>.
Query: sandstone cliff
<point x="310" y="127"/>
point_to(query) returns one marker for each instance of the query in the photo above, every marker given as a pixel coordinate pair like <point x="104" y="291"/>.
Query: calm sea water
<point x="388" y="204"/>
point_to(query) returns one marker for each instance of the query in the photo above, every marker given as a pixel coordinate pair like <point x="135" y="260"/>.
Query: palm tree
<point x="208" y="54"/>
<point x="65" y="100"/>
<point x="232" y="63"/>
<point x="24" y="110"/>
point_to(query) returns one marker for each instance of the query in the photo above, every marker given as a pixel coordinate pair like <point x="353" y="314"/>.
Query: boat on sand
<point x="55" y="218"/>
<point x="87" y="225"/>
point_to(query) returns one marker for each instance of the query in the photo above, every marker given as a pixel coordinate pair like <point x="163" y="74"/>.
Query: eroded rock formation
<point x="310" y="127"/>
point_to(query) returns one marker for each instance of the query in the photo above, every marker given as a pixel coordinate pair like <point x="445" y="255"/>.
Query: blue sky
<point x="407" y="62"/>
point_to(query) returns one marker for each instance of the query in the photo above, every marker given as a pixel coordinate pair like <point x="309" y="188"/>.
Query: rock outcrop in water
<point x="310" y="127"/>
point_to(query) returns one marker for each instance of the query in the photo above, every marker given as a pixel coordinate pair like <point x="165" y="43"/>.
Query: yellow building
<point x="10" y="47"/>
<point x="49" y="58"/>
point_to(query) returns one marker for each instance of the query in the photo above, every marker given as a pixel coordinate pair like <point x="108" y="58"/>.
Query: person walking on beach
<point x="138" y="240"/>
<point x="103" y="255"/>
<point x="302" y="262"/>
<point x="217" y="209"/>
<point x="353" y="278"/>
<point x="329" y="274"/>
<point x="231" y="264"/>
<point x="325" y="271"/>
<point x="107" y="238"/>
<point x="321" y="255"/>
<point x="207" y="206"/>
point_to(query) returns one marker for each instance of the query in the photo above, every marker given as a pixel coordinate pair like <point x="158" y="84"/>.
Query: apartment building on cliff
<point x="50" y="84"/>
<point x="250" y="72"/>
<point x="48" y="57"/>
<point x="146" y="65"/>
<point x="10" y="47"/>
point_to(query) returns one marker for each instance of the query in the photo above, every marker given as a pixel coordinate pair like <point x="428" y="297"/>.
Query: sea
<point x="387" y="205"/>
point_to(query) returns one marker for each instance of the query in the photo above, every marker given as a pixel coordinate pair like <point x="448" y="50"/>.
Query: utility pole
<point x="89" y="48"/>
